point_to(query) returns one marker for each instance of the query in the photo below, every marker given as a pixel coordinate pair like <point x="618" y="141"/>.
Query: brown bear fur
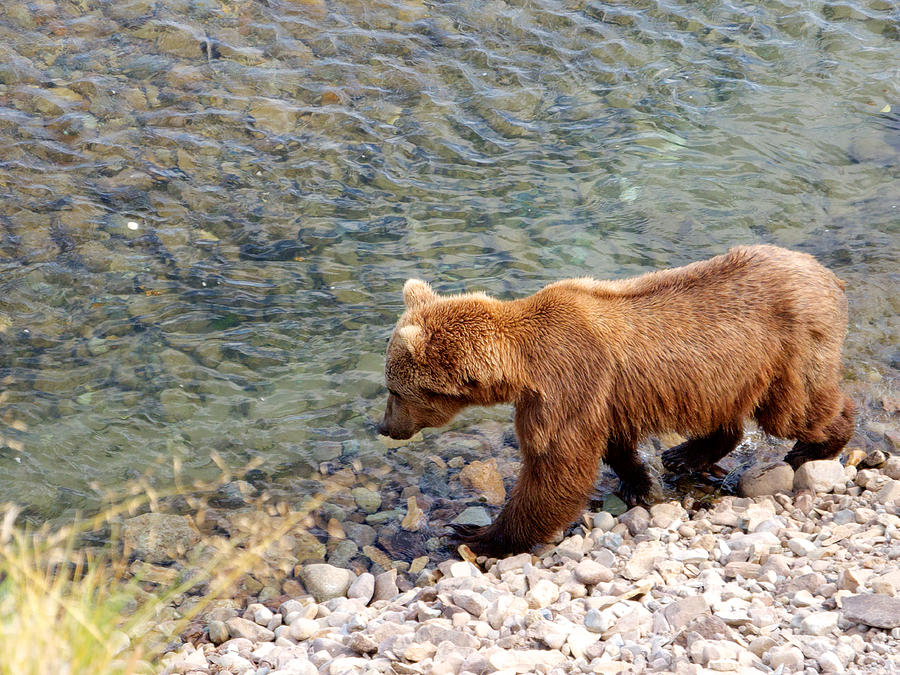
<point x="593" y="367"/>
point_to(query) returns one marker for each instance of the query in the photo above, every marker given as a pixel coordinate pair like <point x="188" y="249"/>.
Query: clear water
<point x="208" y="207"/>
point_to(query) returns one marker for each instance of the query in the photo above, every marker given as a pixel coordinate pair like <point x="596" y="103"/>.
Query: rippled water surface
<point x="208" y="207"/>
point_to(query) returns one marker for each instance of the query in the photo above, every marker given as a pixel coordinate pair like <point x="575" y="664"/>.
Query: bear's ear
<point x="413" y="338"/>
<point x="417" y="293"/>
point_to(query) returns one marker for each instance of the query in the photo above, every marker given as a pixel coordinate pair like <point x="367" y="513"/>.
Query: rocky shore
<point x="803" y="580"/>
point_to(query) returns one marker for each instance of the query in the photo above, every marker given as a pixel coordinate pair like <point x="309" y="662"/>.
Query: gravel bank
<point x="795" y="582"/>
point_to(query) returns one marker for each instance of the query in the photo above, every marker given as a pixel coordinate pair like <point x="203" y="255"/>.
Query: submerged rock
<point x="159" y="537"/>
<point x="473" y="515"/>
<point x="485" y="479"/>
<point x="366" y="499"/>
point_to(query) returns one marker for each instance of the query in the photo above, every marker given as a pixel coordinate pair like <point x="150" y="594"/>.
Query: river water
<point x="208" y="207"/>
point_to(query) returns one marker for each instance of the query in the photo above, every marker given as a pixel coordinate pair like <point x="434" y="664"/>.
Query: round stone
<point x="325" y="581"/>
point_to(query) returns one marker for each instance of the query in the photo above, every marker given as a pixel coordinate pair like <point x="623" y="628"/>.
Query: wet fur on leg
<point x="635" y="483"/>
<point x="837" y="434"/>
<point x="696" y="454"/>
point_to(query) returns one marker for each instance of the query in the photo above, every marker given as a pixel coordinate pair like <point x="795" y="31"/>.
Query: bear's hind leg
<point x="837" y="434"/>
<point x="701" y="452"/>
<point x="635" y="480"/>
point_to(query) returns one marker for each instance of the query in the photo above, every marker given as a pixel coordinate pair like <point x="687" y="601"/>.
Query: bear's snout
<point x="396" y="423"/>
<point x="397" y="434"/>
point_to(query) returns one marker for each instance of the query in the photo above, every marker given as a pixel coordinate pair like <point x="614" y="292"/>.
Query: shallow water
<point x="208" y="207"/>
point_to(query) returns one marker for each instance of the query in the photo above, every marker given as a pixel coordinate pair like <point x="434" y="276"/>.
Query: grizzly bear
<point x="593" y="367"/>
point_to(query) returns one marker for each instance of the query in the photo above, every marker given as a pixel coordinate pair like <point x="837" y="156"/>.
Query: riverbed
<point x="208" y="209"/>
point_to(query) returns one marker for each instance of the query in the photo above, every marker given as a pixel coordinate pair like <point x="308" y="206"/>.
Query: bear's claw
<point x="482" y="540"/>
<point x="806" y="452"/>
<point x="467" y="533"/>
<point x="633" y="494"/>
<point x="680" y="459"/>
<point x="795" y="458"/>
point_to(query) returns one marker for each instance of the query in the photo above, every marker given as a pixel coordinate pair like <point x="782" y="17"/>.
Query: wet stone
<point x="274" y="116"/>
<point x="473" y="515"/>
<point x="367" y="500"/>
<point x="175" y="38"/>
<point x="484" y="478"/>
<point x="614" y="506"/>
<point x="362" y="534"/>
<point x="873" y="460"/>
<point x="414" y="520"/>
<point x="343" y="552"/>
<point x="159" y="537"/>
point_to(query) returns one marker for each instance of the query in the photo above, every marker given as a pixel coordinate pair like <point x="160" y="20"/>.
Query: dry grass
<point x="66" y="609"/>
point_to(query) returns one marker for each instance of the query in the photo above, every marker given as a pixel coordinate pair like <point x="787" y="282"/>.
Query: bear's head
<point x="444" y="354"/>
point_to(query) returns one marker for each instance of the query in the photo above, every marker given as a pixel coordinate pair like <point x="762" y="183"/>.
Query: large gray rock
<point x="159" y="537"/>
<point x="325" y="581"/>
<point x="820" y="475"/>
<point x="767" y="478"/>
<point x="880" y="611"/>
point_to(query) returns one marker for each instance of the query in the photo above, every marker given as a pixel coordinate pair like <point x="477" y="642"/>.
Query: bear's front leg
<point x="550" y="493"/>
